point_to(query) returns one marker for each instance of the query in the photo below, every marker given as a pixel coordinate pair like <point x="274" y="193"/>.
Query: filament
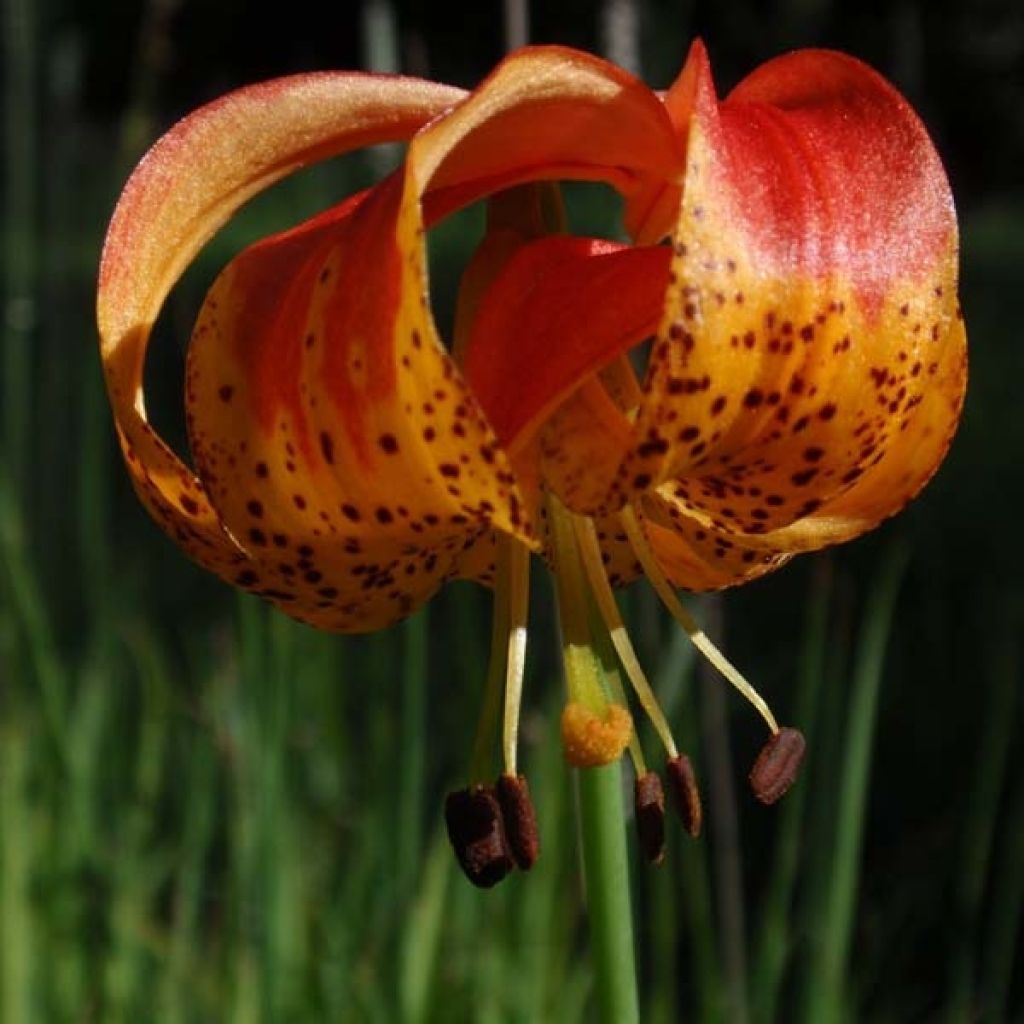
<point x="651" y="568"/>
<point x="507" y="659"/>
<point x="514" y="573"/>
<point x="590" y="553"/>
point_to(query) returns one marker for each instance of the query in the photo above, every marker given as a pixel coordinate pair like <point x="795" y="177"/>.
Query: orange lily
<point x="805" y="379"/>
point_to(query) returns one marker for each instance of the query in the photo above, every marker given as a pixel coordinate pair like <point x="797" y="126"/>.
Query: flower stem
<point x="606" y="877"/>
<point x="591" y="676"/>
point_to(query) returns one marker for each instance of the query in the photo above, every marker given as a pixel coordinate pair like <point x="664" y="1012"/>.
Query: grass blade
<point x="420" y="936"/>
<point x="17" y="914"/>
<point x="773" y="945"/>
<point x="981" y="819"/>
<point x="1006" y="930"/>
<point x="827" y="991"/>
<point x="724" y="826"/>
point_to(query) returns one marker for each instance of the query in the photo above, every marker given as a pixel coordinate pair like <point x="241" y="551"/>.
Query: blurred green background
<point x="209" y="813"/>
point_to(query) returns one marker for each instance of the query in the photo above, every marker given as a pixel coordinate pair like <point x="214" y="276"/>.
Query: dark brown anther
<point x="520" y="819"/>
<point x="477" y="834"/>
<point x="682" y="784"/>
<point x="650" y="817"/>
<point x="776" y="766"/>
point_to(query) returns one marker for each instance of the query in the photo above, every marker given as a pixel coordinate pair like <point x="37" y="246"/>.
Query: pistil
<point x="595" y="728"/>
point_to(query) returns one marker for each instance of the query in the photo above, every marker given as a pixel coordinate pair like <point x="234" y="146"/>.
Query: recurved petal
<point x="561" y="309"/>
<point x="327" y="421"/>
<point x="814" y="269"/>
<point x="906" y="465"/>
<point x="693" y="556"/>
<point x="324" y="410"/>
<point x="548" y="113"/>
<point x="188" y="185"/>
<point x="699" y="557"/>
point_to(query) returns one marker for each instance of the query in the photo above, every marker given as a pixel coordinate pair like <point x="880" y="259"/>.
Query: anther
<point x="682" y="784"/>
<point x="590" y="740"/>
<point x="777" y="765"/>
<point x="477" y="834"/>
<point x="520" y="819"/>
<point x="650" y="816"/>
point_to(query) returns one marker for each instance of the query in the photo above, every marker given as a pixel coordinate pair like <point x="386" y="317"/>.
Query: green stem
<point x="606" y="876"/>
<point x="590" y="670"/>
<point x="413" y="727"/>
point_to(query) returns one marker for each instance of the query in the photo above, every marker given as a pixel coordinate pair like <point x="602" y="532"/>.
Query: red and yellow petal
<point x="386" y="443"/>
<point x="326" y="419"/>
<point x="547" y="113"/>
<point x="693" y="557"/>
<point x="810" y="366"/>
<point x="813" y="285"/>
<point x="324" y="412"/>
<point x="561" y="309"/>
<point x="698" y="557"/>
<point x="184" y="190"/>
<point x="907" y="463"/>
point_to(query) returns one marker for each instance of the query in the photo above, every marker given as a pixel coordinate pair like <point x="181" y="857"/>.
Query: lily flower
<point x="793" y="265"/>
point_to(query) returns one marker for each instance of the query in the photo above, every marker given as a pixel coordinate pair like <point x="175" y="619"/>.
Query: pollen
<point x="649" y="802"/>
<point x="776" y="767"/>
<point x="590" y="740"/>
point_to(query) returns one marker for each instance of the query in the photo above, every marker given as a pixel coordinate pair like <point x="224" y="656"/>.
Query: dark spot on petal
<point x="327" y="446"/>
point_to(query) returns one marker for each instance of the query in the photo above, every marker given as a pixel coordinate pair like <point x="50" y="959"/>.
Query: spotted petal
<point x="329" y="424"/>
<point x="184" y="190"/>
<point x="809" y="367"/>
<point x="812" y="331"/>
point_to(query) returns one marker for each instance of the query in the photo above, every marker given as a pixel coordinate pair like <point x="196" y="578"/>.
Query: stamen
<point x="514" y="574"/>
<point x="477" y="834"/>
<point x="520" y="819"/>
<point x="682" y="784"/>
<point x="507" y="659"/>
<point x="590" y="553"/>
<point x="650" y="816"/>
<point x="777" y="765"/>
<point x="664" y="589"/>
